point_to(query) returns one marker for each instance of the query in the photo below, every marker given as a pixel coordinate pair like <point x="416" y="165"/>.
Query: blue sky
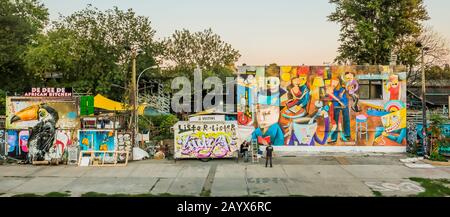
<point x="286" y="32"/>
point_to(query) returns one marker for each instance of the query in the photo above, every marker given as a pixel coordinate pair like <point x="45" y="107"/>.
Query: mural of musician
<point x="329" y="106"/>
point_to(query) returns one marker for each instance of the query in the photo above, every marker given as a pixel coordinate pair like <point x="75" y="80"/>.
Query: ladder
<point x="254" y="152"/>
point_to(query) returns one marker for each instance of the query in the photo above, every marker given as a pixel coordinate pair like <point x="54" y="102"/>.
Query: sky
<point x="286" y="32"/>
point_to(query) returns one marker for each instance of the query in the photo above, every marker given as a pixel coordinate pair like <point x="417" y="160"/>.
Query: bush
<point x="161" y="125"/>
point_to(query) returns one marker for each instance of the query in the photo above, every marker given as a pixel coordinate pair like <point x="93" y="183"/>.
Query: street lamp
<point x="137" y="98"/>
<point x="424" y="104"/>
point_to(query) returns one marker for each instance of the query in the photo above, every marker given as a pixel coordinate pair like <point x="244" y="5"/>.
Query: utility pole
<point x="133" y="95"/>
<point x="424" y="104"/>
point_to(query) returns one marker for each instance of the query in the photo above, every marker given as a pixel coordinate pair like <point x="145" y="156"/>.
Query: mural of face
<point x="272" y="84"/>
<point x="349" y="77"/>
<point x="394" y="81"/>
<point x="394" y="121"/>
<point x="267" y="115"/>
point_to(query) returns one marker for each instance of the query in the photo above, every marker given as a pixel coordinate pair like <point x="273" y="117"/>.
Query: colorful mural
<point x="323" y="105"/>
<point x="44" y="116"/>
<point x="18" y="143"/>
<point x="97" y="140"/>
<point x="205" y="140"/>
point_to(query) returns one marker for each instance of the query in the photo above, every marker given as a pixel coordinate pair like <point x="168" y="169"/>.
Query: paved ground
<point x="340" y="175"/>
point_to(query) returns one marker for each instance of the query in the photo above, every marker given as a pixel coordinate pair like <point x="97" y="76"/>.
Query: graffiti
<point x="412" y="137"/>
<point x="205" y="140"/>
<point x="322" y="105"/>
<point x="386" y="187"/>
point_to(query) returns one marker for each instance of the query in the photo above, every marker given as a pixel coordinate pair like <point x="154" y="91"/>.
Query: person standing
<point x="269" y="152"/>
<point x="245" y="151"/>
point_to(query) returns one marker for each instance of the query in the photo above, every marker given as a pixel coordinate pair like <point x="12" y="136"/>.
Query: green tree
<point x="186" y="50"/>
<point x="20" y="22"/>
<point x="205" y="49"/>
<point x="91" y="48"/>
<point x="373" y="29"/>
<point x="435" y="56"/>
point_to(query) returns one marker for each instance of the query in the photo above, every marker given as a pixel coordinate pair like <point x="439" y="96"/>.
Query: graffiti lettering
<point x="205" y="146"/>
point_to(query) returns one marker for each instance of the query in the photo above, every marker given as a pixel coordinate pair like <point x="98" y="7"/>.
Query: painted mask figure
<point x="394" y="127"/>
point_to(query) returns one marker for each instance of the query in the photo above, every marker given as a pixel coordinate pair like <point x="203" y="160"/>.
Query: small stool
<point x="360" y="127"/>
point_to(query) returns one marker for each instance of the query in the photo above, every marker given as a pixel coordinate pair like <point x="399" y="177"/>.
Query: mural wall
<point x="205" y="140"/>
<point x="39" y="128"/>
<point x="18" y="144"/>
<point x="322" y="105"/>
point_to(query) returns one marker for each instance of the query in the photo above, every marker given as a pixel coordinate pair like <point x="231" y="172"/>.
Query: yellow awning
<point x="111" y="105"/>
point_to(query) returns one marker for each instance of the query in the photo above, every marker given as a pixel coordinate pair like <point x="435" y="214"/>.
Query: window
<point x="370" y="89"/>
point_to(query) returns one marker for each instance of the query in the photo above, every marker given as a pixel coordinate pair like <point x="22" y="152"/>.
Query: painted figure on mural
<point x="340" y="106"/>
<point x="394" y="127"/>
<point x="296" y="100"/>
<point x="270" y="90"/>
<point x="268" y="130"/>
<point x="352" y="87"/>
<point x="394" y="87"/>
<point x="298" y="94"/>
<point x="246" y="88"/>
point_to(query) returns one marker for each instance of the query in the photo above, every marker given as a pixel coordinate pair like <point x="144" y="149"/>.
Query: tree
<point x="205" y="49"/>
<point x="91" y="48"/>
<point x="20" y="22"/>
<point x="372" y="29"/>
<point x="435" y="56"/>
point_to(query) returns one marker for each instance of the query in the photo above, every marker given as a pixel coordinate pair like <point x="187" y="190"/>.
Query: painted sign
<point x="208" y="118"/>
<point x="205" y="139"/>
<point x="49" y="92"/>
<point x="321" y="105"/>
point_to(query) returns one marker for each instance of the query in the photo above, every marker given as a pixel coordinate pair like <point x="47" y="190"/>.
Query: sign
<point x="205" y="140"/>
<point x="49" y="92"/>
<point x="208" y="118"/>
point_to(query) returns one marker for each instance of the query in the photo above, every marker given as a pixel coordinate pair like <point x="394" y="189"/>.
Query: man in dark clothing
<point x="269" y="151"/>
<point x="245" y="151"/>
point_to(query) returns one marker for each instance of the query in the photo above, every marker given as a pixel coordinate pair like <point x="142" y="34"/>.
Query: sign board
<point x="205" y="140"/>
<point x="49" y="92"/>
<point x="208" y="118"/>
